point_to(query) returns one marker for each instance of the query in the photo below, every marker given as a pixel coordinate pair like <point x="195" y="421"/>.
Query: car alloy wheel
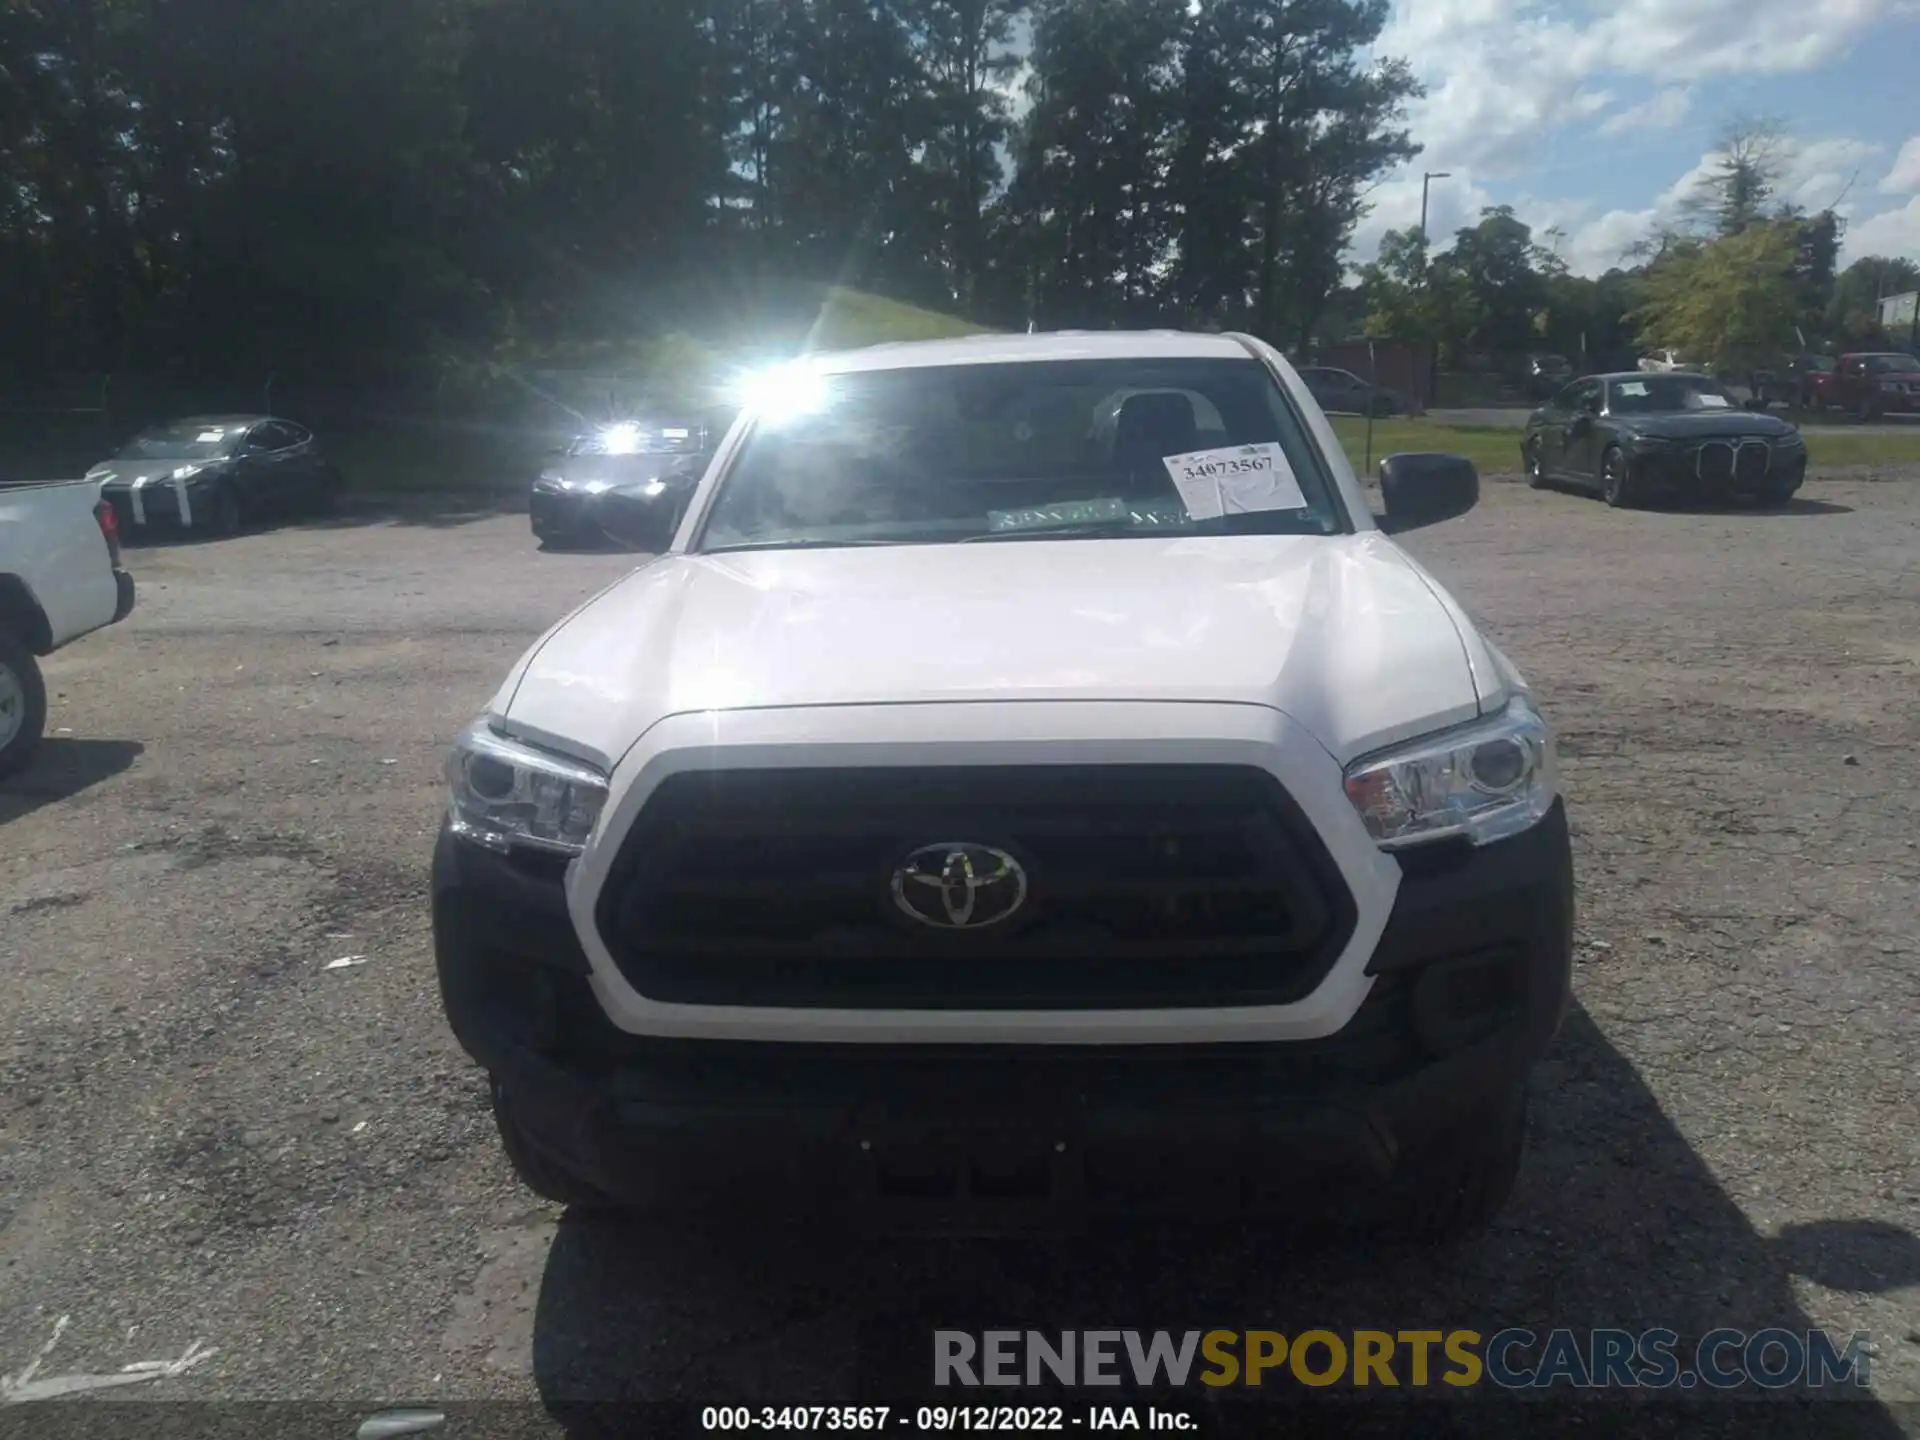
<point x="23" y="705"/>
<point x="1616" y="479"/>
<point x="1536" y="473"/>
<point x="13" y="705"/>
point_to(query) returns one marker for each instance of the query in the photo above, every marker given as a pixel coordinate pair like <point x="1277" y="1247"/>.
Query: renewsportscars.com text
<point x="1513" y="1359"/>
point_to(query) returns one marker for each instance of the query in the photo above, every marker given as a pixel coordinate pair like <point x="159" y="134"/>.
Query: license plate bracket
<point x="959" y="1173"/>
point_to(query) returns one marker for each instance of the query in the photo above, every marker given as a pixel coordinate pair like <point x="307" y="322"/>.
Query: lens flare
<point x="621" y="439"/>
<point x="782" y="392"/>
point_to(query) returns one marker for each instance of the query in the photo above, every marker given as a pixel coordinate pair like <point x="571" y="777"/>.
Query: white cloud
<point x="1813" y="173"/>
<point x="1502" y="75"/>
<point x="1904" y="177"/>
<point x="1662" y="111"/>
<point x="1892" y="232"/>
<point x="1821" y="174"/>
<point x="1451" y="204"/>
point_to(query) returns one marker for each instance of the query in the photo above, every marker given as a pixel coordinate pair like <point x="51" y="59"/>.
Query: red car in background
<point x="1868" y="385"/>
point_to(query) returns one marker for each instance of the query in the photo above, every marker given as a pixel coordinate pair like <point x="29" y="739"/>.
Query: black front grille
<point x="1714" y="461"/>
<point x="1751" y="461"/>
<point x="1148" y="887"/>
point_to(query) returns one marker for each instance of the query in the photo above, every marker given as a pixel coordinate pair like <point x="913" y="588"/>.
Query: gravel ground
<point x="207" y="1136"/>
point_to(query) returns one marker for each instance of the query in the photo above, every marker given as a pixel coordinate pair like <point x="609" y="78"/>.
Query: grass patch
<point x="1865" y="448"/>
<point x="1496" y="448"/>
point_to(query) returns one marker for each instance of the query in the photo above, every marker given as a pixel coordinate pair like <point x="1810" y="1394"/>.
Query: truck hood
<point x="1344" y="634"/>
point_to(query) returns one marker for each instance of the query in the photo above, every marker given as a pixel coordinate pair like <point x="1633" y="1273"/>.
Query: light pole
<point x="1426" y="180"/>
<point x="1433" y="355"/>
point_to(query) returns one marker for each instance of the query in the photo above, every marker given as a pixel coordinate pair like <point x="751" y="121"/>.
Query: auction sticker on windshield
<point x="1237" y="480"/>
<point x="1713" y="402"/>
<point x="1085" y="512"/>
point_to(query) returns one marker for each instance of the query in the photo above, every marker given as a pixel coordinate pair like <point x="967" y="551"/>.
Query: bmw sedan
<point x="1638" y="435"/>
<point x="215" y="473"/>
<point x="636" y="465"/>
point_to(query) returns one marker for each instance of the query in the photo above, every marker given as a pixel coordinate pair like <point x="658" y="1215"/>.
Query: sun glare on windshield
<point x="785" y="392"/>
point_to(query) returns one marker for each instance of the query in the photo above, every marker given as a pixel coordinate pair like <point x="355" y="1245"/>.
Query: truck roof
<point x="1017" y="349"/>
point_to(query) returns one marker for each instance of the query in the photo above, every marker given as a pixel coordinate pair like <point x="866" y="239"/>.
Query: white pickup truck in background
<point x="60" y="579"/>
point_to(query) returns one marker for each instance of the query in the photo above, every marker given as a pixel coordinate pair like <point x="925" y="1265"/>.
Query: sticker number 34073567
<point x="1232" y="465"/>
<point x="1235" y="480"/>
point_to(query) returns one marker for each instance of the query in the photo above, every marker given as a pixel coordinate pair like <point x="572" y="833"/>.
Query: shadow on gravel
<point x="1798" y="506"/>
<point x="1616" y="1223"/>
<point x="61" y="769"/>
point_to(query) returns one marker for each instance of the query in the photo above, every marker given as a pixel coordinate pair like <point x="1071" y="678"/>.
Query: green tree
<point x="1410" y="299"/>
<point x="1500" y="267"/>
<point x="1740" y="186"/>
<point x="1289" y="119"/>
<point x="1854" y="310"/>
<point x="1732" y="302"/>
<point x="1091" y="199"/>
<point x="963" y="59"/>
<point x="597" y="156"/>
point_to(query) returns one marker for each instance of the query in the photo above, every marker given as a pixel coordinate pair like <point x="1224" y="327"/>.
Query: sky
<point x="1594" y="117"/>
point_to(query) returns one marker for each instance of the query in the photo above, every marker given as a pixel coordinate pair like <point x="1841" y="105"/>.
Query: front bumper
<point x="1679" y="471"/>
<point x="157" y="503"/>
<point x="561" y="515"/>
<point x="1471" y="981"/>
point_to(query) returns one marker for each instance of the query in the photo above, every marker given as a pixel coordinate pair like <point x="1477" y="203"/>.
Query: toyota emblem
<point x="959" y="886"/>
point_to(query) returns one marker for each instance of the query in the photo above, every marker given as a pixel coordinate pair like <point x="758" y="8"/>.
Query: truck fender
<point x="21" y="615"/>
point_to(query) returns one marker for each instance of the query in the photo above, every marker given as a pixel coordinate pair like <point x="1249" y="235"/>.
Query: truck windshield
<point x="1893" y="364"/>
<point x="1007" y="451"/>
<point x="184" y="440"/>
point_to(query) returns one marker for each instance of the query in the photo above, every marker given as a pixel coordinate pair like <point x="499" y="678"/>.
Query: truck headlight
<point x="1486" y="780"/>
<point x="506" y="793"/>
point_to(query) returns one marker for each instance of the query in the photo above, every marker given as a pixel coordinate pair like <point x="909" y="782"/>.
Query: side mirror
<point x="1424" y="488"/>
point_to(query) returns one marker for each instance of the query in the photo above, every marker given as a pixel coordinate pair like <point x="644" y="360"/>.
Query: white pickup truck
<point x="60" y="578"/>
<point x="1032" y="780"/>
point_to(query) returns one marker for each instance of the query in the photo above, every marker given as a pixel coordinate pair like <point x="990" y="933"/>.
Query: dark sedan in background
<point x="1636" y="436"/>
<point x="1341" y="392"/>
<point x="216" y="473"/>
<point x="644" y="469"/>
